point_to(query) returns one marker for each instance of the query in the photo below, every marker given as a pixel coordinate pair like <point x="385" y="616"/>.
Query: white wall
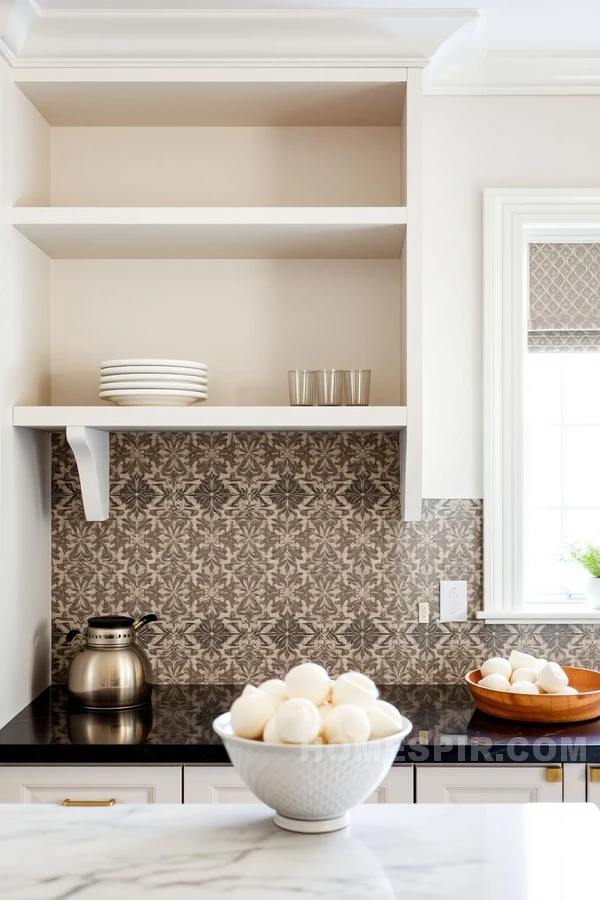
<point x="249" y="320"/>
<point x="24" y="379"/>
<point x="471" y="143"/>
<point x="226" y="166"/>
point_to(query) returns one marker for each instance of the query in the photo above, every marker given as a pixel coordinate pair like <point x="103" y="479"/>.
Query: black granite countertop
<point x="176" y="728"/>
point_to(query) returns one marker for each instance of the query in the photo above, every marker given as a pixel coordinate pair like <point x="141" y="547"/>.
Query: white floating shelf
<point x="212" y="418"/>
<point x="87" y="429"/>
<point x="347" y="232"/>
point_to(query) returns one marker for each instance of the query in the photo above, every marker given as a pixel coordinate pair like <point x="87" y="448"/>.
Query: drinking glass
<point x="357" y="383"/>
<point x="301" y="383"/>
<point x="330" y="387"/>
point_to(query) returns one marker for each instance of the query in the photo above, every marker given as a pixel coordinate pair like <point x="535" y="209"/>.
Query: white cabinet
<point x="93" y="785"/>
<point x="222" y="784"/>
<point x="489" y="784"/>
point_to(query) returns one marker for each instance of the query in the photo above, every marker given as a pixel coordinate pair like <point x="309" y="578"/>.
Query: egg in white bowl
<point x="312" y="762"/>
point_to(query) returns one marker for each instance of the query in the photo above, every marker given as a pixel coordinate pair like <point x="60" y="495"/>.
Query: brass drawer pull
<point x="554" y="774"/>
<point x="595" y="775"/>
<point x="89" y="802"/>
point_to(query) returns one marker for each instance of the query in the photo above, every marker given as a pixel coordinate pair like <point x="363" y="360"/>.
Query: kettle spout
<point x="145" y="620"/>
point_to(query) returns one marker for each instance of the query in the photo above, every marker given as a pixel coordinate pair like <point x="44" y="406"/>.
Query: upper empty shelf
<point x="214" y="233"/>
<point x="343" y="99"/>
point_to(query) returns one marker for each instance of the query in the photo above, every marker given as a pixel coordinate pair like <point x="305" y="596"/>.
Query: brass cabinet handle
<point x="595" y="775"/>
<point x="554" y="774"/>
<point x="89" y="802"/>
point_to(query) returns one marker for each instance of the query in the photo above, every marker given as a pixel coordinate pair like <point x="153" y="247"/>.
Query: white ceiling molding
<point x="478" y="71"/>
<point x="40" y="34"/>
<point x="16" y="20"/>
<point x="527" y="48"/>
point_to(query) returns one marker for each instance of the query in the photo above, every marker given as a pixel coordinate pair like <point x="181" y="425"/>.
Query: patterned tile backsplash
<point x="258" y="551"/>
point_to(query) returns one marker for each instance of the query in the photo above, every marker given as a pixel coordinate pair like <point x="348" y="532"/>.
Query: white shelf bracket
<point x="90" y="447"/>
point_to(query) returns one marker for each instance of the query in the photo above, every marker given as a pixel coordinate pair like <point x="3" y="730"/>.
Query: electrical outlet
<point x="453" y="601"/>
<point x="423" y="613"/>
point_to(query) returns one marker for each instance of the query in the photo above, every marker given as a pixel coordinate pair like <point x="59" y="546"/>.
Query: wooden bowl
<point x="541" y="707"/>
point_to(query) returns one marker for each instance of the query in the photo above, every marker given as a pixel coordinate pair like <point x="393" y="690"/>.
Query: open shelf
<point x="254" y="219"/>
<point x="212" y="418"/>
<point x="369" y="97"/>
<point x="87" y="430"/>
<point x="214" y="232"/>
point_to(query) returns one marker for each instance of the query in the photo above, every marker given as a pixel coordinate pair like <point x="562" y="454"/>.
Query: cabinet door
<point x="222" y="784"/>
<point x="123" y="784"/>
<point x="396" y="787"/>
<point x="593" y="784"/>
<point x="215" y="784"/>
<point x="489" y="784"/>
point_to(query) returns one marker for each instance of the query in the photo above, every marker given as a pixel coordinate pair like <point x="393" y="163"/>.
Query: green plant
<point x="587" y="556"/>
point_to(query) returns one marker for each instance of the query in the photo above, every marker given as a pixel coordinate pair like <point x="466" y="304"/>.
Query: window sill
<point x="572" y="614"/>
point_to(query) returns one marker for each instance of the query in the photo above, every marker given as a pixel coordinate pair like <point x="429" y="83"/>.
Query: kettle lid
<point x="111" y="622"/>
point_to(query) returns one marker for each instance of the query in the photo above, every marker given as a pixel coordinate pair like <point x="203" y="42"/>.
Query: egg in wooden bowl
<point x="534" y="690"/>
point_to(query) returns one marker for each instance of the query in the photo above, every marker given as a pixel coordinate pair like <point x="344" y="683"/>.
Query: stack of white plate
<point x="153" y="382"/>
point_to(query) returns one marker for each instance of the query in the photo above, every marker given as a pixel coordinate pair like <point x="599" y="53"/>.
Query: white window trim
<point x="514" y="218"/>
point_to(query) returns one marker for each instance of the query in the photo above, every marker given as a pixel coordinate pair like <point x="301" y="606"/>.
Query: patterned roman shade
<point x="564" y="297"/>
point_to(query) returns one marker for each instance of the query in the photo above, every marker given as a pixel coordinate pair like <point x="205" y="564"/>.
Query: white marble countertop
<point x="536" y="852"/>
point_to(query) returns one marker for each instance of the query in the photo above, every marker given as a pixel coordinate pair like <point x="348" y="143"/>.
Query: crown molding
<point x="511" y="72"/>
<point x="34" y="34"/>
<point x="150" y="33"/>
<point x="17" y="17"/>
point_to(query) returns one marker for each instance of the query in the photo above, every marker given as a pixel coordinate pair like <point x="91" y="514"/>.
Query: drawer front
<point x="90" y="784"/>
<point x="489" y="784"/>
<point x="222" y="784"/>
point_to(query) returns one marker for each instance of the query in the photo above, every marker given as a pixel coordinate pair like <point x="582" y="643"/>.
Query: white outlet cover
<point x="423" y="613"/>
<point x="453" y="601"/>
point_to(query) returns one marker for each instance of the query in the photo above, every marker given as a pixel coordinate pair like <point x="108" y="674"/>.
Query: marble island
<point x="179" y="853"/>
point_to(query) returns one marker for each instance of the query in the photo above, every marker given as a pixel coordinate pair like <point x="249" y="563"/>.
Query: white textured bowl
<point x="311" y="785"/>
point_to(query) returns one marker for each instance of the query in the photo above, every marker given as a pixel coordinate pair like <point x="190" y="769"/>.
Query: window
<point x="542" y="402"/>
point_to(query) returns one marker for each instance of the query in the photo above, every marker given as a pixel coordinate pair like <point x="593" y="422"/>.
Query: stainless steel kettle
<point x="111" y="670"/>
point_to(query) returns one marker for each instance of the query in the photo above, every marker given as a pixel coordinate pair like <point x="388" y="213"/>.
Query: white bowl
<point x="311" y="787"/>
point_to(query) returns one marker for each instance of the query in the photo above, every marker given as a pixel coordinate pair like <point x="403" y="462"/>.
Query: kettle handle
<point x="72" y="634"/>
<point x="145" y="620"/>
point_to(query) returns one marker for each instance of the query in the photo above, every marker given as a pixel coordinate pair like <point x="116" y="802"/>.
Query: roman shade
<point x="564" y="298"/>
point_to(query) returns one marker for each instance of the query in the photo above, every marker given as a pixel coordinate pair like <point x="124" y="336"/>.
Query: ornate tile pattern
<point x="258" y="551"/>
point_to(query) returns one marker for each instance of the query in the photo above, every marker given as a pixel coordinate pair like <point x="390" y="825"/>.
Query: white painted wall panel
<point x="471" y="143"/>
<point x="226" y="166"/>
